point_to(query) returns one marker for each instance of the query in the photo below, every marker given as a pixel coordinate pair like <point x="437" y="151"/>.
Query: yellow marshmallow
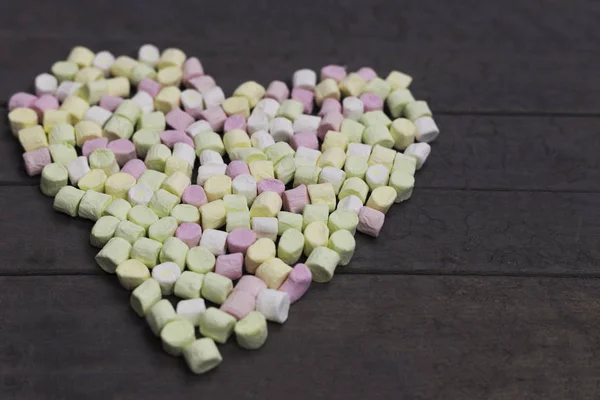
<point x="266" y="204"/>
<point x="259" y="252"/>
<point x="250" y="90"/>
<point x="236" y="105"/>
<point x="20" y="118"/>
<point x="33" y="138"/>
<point x="216" y="187"/>
<point x="235" y="139"/>
<point x="327" y="89"/>
<point x="322" y="193"/>
<point x="262" y="169"/>
<point x="118" y="185"/>
<point x="332" y="157"/>
<point x="167" y="99"/>
<point x="335" y="139"/>
<point x="273" y="272"/>
<point x="213" y="214"/>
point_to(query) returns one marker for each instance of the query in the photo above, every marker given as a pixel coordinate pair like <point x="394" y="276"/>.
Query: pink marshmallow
<point x="230" y="265"/>
<point x="295" y="199"/>
<point x="370" y="221"/>
<point x="202" y="83"/>
<point x="189" y="233"/>
<point x="192" y="68"/>
<point x="330" y="105"/>
<point x="367" y="73"/>
<point x="305" y="139"/>
<point x="36" y="160"/>
<point x="297" y="282"/>
<point x="149" y="86"/>
<point x="169" y="138"/>
<point x="236" y="167"/>
<point x="371" y="102"/>
<point x="305" y="97"/>
<point x="277" y="90"/>
<point x="239" y="240"/>
<point x="134" y="168"/>
<point x="110" y="103"/>
<point x="90" y="145"/>
<point x="250" y="284"/>
<point x="43" y="103"/>
<point x="330" y="122"/>
<point x="21" y="99"/>
<point x="235" y="121"/>
<point x="335" y="72"/>
<point x="271" y="185"/>
<point x="194" y="195"/>
<point x="124" y="150"/>
<point x="179" y="119"/>
<point x="239" y="304"/>
<point x="215" y="116"/>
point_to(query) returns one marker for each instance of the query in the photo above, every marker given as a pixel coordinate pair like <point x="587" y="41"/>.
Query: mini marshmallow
<point x="54" y="177"/>
<point x="194" y="195"/>
<point x="217" y="324"/>
<point x="208" y="140"/>
<point x="239" y="304"/>
<point x="290" y="109"/>
<point x="176" y="335"/>
<point x="141" y="71"/>
<point x="332" y="157"/>
<point x="88" y="74"/>
<point x="285" y="170"/>
<point x="77" y="169"/>
<point x="33" y="138"/>
<point x="403" y="183"/>
<point x="118" y="127"/>
<point x="100" y="92"/>
<point x="132" y="274"/>
<point x="326" y="89"/>
<point x="230" y="265"/>
<point x="103" y="61"/>
<point x="216" y="187"/>
<point x="213" y="214"/>
<point x="36" y="160"/>
<point x="171" y="57"/>
<point x="149" y="55"/>
<point x="237" y="220"/>
<point x="371" y="102"/>
<point x="251" y="91"/>
<point x="145" y="296"/>
<point x="291" y="245"/>
<point x="236" y="105"/>
<point x="378" y="135"/>
<point x="64" y="70"/>
<point x="129" y="231"/>
<point x="202" y="355"/>
<point x="167" y="99"/>
<point x="268" y="106"/>
<point x="67" y="89"/>
<point x="359" y="150"/>
<point x="159" y="315"/>
<point x="322" y="264"/>
<point x="236" y="168"/>
<point x="398" y="80"/>
<point x="48" y="102"/>
<point x="305" y="79"/>
<point x="118" y="185"/>
<point x="186" y="152"/>
<point x="191" y="309"/>
<point x="316" y="234"/>
<point x="216" y="288"/>
<point x="123" y="149"/>
<point x="145" y="102"/>
<point x="88" y="136"/>
<point x="271" y="185"/>
<point x="344" y="244"/>
<point x="277" y="151"/>
<point x="356" y="167"/>
<point x="382" y="155"/>
<point x="236" y="138"/>
<point x="382" y="198"/>
<point x="93" y="204"/>
<point x="297" y="283"/>
<point x="273" y="272"/>
<point x="372" y="118"/>
<point x="20" y="118"/>
<point x="306" y="123"/>
<point x="427" y="130"/>
<point x="207" y="171"/>
<point x="25" y="100"/>
<point x="115" y="252"/>
<point x="123" y="66"/>
<point x="370" y="221"/>
<point x="340" y="219"/>
<point x="277" y="91"/>
<point x="105" y="160"/>
<point x="305" y="139"/>
<point x="169" y="76"/>
<point x="420" y="151"/>
<point x="306" y="175"/>
<point x="188" y="285"/>
<point x="146" y="251"/>
<point x="75" y="106"/>
<point x="354" y="186"/>
<point x="189" y="233"/>
<point x="53" y="117"/>
<point x="162" y="229"/>
<point x="119" y="208"/>
<point x="169" y="138"/>
<point x="330" y="122"/>
<point x="176" y="183"/>
<point x="144" y="140"/>
<point x="403" y="132"/>
<point x="306" y="97"/>
<point x="248" y="155"/>
<point x="288" y="220"/>
<point x="398" y="100"/>
<point x="202" y="83"/>
<point x="45" y="84"/>
<point x="307" y="157"/>
<point x="251" y="331"/>
<point x="139" y="194"/>
<point x="186" y="213"/>
<point x="322" y="193"/>
<point x="417" y="109"/>
<point x="214" y="240"/>
<point x="60" y="134"/>
<point x="379" y="87"/>
<point x="192" y="102"/>
<point x="176" y="164"/>
<point x="281" y="129"/>
<point x="62" y="154"/>
<point x="350" y="203"/>
<point x="239" y="240"/>
<point x="262" y="139"/>
<point x="235" y="121"/>
<point x="142" y="216"/>
<point x="334" y="139"/>
<point x="67" y="200"/>
<point x="162" y="202"/>
<point x="267" y="204"/>
<point x="261" y="169"/>
<point x="258" y="121"/>
<point x="234" y="202"/>
<point x="259" y="252"/>
<point x="192" y="68"/>
<point x="294" y="200"/>
<point x="93" y="180"/>
<point x="166" y="274"/>
<point x="335" y="72"/>
<point x="352" y="85"/>
<point x="274" y="305"/>
<point x="265" y="227"/>
<point x="330" y="105"/>
<point x="199" y="259"/>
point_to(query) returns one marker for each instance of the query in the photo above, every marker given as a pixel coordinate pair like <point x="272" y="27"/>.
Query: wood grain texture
<point x="357" y="337"/>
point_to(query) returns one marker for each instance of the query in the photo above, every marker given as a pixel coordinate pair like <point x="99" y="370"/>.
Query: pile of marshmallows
<point x="296" y="184"/>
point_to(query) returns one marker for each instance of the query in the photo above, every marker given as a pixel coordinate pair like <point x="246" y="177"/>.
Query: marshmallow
<point x="235" y="168"/>
<point x="93" y="180"/>
<point x="322" y="264"/>
<point x="217" y="324"/>
<point x="334" y="139"/>
<point x="261" y="169"/>
<point x="202" y="83"/>
<point x="350" y="203"/>
<point x="33" y="138"/>
<point x="397" y="101"/>
<point x="305" y="156"/>
<point x="115" y="252"/>
<point x="54" y="177"/>
<point x="20" y="118"/>
<point x="174" y="250"/>
<point x="260" y="251"/>
<point x="103" y="230"/>
<point x="207" y="171"/>
<point x="371" y="102"/>
<point x="403" y="132"/>
<point x="67" y="89"/>
<point x="333" y="176"/>
<point x="251" y="331"/>
<point x="235" y="202"/>
<point x="274" y="305"/>
<point x="146" y="251"/>
<point x="378" y="135"/>
<point x="343" y="243"/>
<point x="202" y="355"/>
<point x="141" y="71"/>
<point x="326" y="89"/>
<point x="420" y="151"/>
<point x="186" y="213"/>
<point x="258" y="121"/>
<point x="171" y="57"/>
<point x="370" y="221"/>
<point x="167" y="99"/>
<point x="139" y="194"/>
<point x="330" y="122"/>
<point x="149" y="86"/>
<point x="159" y="315"/>
<point x="119" y="208"/>
<point x="236" y="105"/>
<point x="332" y="157"/>
<point x="208" y="140"/>
<point x="162" y="202"/>
<point x="251" y="91"/>
<point x="189" y="233"/>
<point x="239" y="304"/>
<point x="277" y="151"/>
<point x="379" y="87"/>
<point x="166" y="274"/>
<point x="64" y="70"/>
<point x="427" y="130"/>
<point x="142" y="216"/>
<point x="145" y="296"/>
<point x="271" y="185"/>
<point x="45" y="84"/>
<point x="169" y="76"/>
<point x="305" y="97"/>
<point x="353" y="108"/>
<point x="129" y="231"/>
<point x="251" y="285"/>
<point x="188" y="285"/>
<point x="162" y="229"/>
<point x="417" y="109"/>
<point x="262" y="139"/>
<point x="285" y="170"/>
<point x="77" y="169"/>
<point x="398" y="80"/>
<point x="352" y="85"/>
<point x="216" y="187"/>
<point x="290" y="109"/>
<point x="216" y="288"/>
<point x="236" y="138"/>
<point x="306" y="123"/>
<point x="53" y="117"/>
<point x="382" y="198"/>
<point x="230" y="265"/>
<point x="67" y="200"/>
<point x="192" y="102"/>
<point x="354" y="186"/>
<point x="290" y="246"/>
<point x="62" y="154"/>
<point x="405" y="163"/>
<point x="305" y="139"/>
<point x="123" y="66"/>
<point x="191" y="309"/>
<point x="214" y="240"/>
<point x="267" y="204"/>
<point x="176" y="335"/>
<point x="144" y="140"/>
<point x="373" y="118"/>
<point x="199" y="259"/>
<point x="356" y="167"/>
<point x="281" y="129"/>
<point x="265" y="227"/>
<point x="297" y="283"/>
<point x="315" y="212"/>
<point x="269" y="106"/>
<point x="192" y="68"/>
<point x="213" y="214"/>
<point x="322" y="193"/>
<point x="294" y="200"/>
<point x="278" y="91"/>
<point x="237" y="220"/>
<point x="273" y="272"/>
<point x="341" y="219"/>
<point x="93" y="204"/>
<point x="403" y="184"/>
<point x="305" y="79"/>
<point x="194" y="195"/>
<point x="330" y="105"/>
<point x="132" y="274"/>
<point x="315" y="234"/>
<point x="146" y="104"/>
<point x="118" y="185"/>
<point x="239" y="240"/>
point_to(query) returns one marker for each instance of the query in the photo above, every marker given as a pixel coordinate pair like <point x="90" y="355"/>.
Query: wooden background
<point x="483" y="286"/>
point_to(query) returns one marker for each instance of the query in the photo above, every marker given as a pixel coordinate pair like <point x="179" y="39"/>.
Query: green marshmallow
<point x="129" y="231"/>
<point x="251" y="331"/>
<point x="397" y="100"/>
<point x="322" y="263"/>
<point x="237" y="220"/>
<point x="217" y="324"/>
<point x="353" y="130"/>
<point x="186" y="213"/>
<point x="307" y="175"/>
<point x="199" y="259"/>
<point x="64" y="70"/>
<point x="290" y="246"/>
<point x="378" y="134"/>
<point x="287" y="220"/>
<point x="340" y="219"/>
<point x="157" y="156"/>
<point x="119" y="208"/>
<point x="354" y="186"/>
<point x="247" y="154"/>
<point x="177" y="334"/>
<point x="141" y="71"/>
<point x="316" y="234"/>
<point x="403" y="132"/>
<point x="378" y="86"/>
<point x="343" y="243"/>
<point x="62" y="134"/>
<point x="235" y="202"/>
<point x="163" y="202"/>
<point x="105" y="160"/>
<point x="416" y="110"/>
<point x="130" y="110"/>
<point x="146" y="251"/>
<point x="93" y="91"/>
<point x="216" y="288"/>
<point x="208" y="141"/>
<point x="93" y="204"/>
<point x="315" y="212"/>
<point x="404" y="163"/>
<point x="145" y="138"/>
<point x="103" y="230"/>
<point x="285" y="169"/>
<point x="142" y="216"/>
<point x="356" y="167"/>
<point x="62" y="154"/>
<point x="54" y="177"/>
<point x="132" y="273"/>
<point x="176" y="164"/>
<point x="159" y="315"/>
<point x="163" y="229"/>
<point x="373" y="118"/>
<point x="67" y="200"/>
<point x="153" y="179"/>
<point x="94" y="180"/>
<point x="290" y="109"/>
<point x="175" y="250"/>
<point x="403" y="183"/>
<point x="115" y="252"/>
<point x="276" y="152"/>
<point x="145" y="296"/>
<point x="202" y="355"/>
<point x="118" y="127"/>
<point x="188" y="285"/>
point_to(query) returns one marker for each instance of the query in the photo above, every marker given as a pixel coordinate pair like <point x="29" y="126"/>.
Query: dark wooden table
<point x="483" y="286"/>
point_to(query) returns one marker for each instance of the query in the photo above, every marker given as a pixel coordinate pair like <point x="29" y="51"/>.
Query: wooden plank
<point x="435" y="232"/>
<point x="358" y="337"/>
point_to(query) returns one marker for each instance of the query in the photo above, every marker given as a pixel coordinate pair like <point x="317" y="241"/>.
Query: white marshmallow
<point x="214" y="97"/>
<point x="265" y="227"/>
<point x="149" y="54"/>
<point x="359" y="150"/>
<point x="377" y="175"/>
<point x="261" y="140"/>
<point x="139" y="194"/>
<point x="281" y="129"/>
<point x="350" y="203"/>
<point x="273" y="304"/>
<point x="210" y="157"/>
<point x="353" y="108"/>
<point x="166" y="275"/>
<point x="45" y="84"/>
<point x="191" y="310"/>
<point x="267" y="106"/>
<point x="306" y="123"/>
<point x="214" y="241"/>
<point x="258" y="121"/>
<point x="333" y="175"/>
<point x="144" y="101"/>
<point x="427" y="130"/>
<point x="307" y="156"/>
<point x="192" y="99"/>
<point x="206" y="171"/>
<point x="185" y="152"/>
<point x="97" y="114"/>
<point x="420" y="151"/>
<point x="77" y="168"/>
<point x="66" y="89"/>
<point x="305" y="79"/>
<point x="245" y="185"/>
<point x="103" y="60"/>
<point x="197" y="128"/>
